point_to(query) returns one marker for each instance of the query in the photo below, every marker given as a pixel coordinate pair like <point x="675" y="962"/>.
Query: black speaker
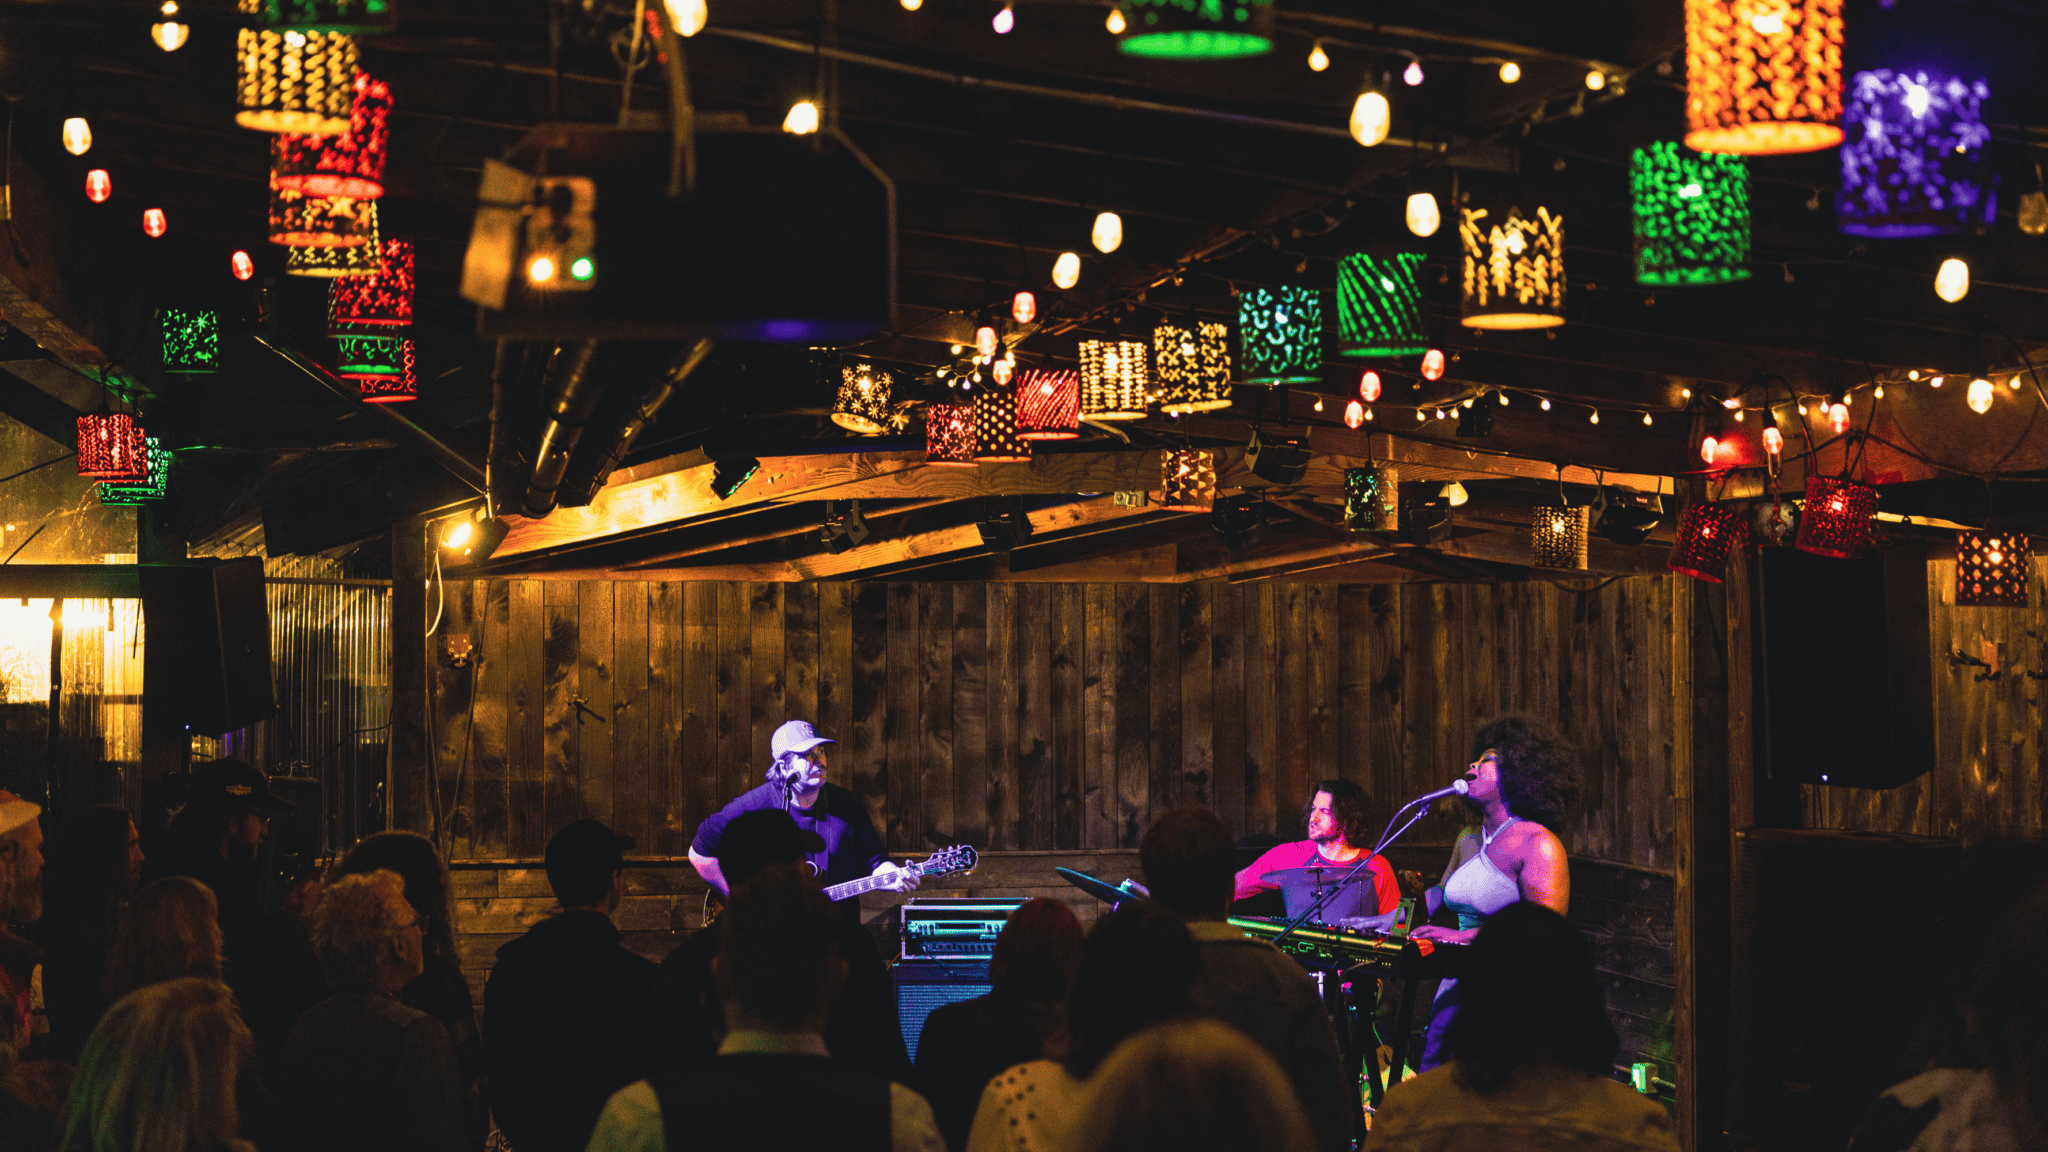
<point x="206" y="646"/>
<point x="1827" y="976"/>
<point x="1847" y="693"/>
<point x="923" y="985"/>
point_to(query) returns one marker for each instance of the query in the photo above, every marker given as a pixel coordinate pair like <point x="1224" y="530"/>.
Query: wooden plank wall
<point x="1038" y="717"/>
<point x="1989" y="753"/>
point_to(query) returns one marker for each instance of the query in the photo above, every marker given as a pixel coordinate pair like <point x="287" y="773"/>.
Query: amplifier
<point x="953" y="927"/>
<point x="926" y="984"/>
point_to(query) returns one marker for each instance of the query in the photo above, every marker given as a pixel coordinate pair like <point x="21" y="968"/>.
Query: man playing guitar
<point x="851" y="849"/>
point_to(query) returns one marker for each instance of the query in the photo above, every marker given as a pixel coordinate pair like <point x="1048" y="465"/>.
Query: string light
<point x="1774" y="441"/>
<point x="77" y="136"/>
<point x="686" y="16"/>
<point x="912" y="5"/>
<point x="153" y="222"/>
<point x="1066" y="271"/>
<point x="241" y="265"/>
<point x="170" y="35"/>
<point x="1503" y="398"/>
<point x="1708" y="448"/>
<point x="1371" y="119"/>
<point x="1838" y="417"/>
<point x="1952" y="282"/>
<point x="1646" y="419"/>
<point x="1369" y="386"/>
<point x="1936" y="382"/>
<point x="1354" y="414"/>
<point x="1319" y="403"/>
<point x="1433" y="364"/>
<point x="1979" y="396"/>
<point x="1419" y="416"/>
<point x="1318" y="60"/>
<point x="1114" y="22"/>
<point x="1878" y="392"/>
<point x="1023" y="307"/>
<point x="1423" y="217"/>
<point x="1595" y="418"/>
<point x="1108" y="233"/>
<point x="1004" y="21"/>
<point x="1510" y="72"/>
<point x="2014" y="384"/>
<point x="98" y="185"/>
<point x="1596" y="80"/>
<point x="802" y="119"/>
<point x="1546" y="403"/>
<point x="1412" y="75"/>
<point x="985" y="341"/>
<point x="1738" y="415"/>
<point x="1913" y="374"/>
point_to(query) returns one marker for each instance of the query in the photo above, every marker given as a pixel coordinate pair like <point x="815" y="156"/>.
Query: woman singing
<point x="1522" y="781"/>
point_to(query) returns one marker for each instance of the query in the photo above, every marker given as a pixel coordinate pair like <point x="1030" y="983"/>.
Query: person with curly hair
<point x="1523" y="779"/>
<point x="159" y="1071"/>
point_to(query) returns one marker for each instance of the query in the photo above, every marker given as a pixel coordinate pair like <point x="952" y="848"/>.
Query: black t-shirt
<point x="852" y="847"/>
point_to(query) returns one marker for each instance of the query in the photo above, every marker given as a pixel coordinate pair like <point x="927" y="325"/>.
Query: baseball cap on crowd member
<point x="234" y="781"/>
<point x="764" y="836"/>
<point x="796" y="736"/>
<point x="16" y="812"/>
<point x="580" y="860"/>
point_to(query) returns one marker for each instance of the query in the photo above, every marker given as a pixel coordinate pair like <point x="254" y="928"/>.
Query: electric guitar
<point x="959" y="858"/>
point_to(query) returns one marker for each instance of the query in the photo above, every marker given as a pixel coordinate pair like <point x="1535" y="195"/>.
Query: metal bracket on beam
<point x="430" y="440"/>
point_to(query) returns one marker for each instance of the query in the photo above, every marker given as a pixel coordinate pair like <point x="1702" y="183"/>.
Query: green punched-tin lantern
<point x="1691" y="216"/>
<point x="1198" y="29"/>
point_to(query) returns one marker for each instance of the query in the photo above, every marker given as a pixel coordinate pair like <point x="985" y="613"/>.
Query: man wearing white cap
<point x="796" y="782"/>
<point x="21" y="902"/>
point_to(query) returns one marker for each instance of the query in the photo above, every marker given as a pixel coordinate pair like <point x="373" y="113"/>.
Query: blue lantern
<point x="1913" y="156"/>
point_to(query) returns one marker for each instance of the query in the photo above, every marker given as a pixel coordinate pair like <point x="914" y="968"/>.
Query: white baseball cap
<point x="16" y="812"/>
<point x="796" y="736"/>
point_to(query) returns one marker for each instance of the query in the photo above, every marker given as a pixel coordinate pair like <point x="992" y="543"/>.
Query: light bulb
<point x="2013" y="383"/>
<point x="1370" y="118"/>
<point x="1423" y="217"/>
<point x="1319" y="403"/>
<point x="1108" y="233"/>
<point x="1732" y="403"/>
<point x="1023" y="307"/>
<point x="1646" y="419"/>
<point x="1317" y="58"/>
<point x="1114" y="22"/>
<point x="1510" y="72"/>
<point x="1003" y="370"/>
<point x="1838" y="417"/>
<point x="1596" y="80"/>
<point x="1738" y="415"/>
<point x="241" y="265"/>
<point x="170" y="35"/>
<point x="1066" y="271"/>
<point x="1412" y="74"/>
<point x="1354" y="414"/>
<point x="1979" y="396"/>
<point x="99" y="186"/>
<point x="1774" y="441"/>
<point x="687" y="17"/>
<point x="1913" y="374"/>
<point x="459" y="534"/>
<point x="77" y="136"/>
<point x="1433" y="364"/>
<point x="153" y="222"/>
<point x="985" y="340"/>
<point x="1546" y="403"/>
<point x="1369" y="386"/>
<point x="1595" y="418"/>
<point x="1952" y="283"/>
<point x="802" y="119"/>
<point x="1455" y="493"/>
<point x="1708" y="447"/>
<point x="912" y="5"/>
<point x="1419" y="417"/>
<point x="1503" y="399"/>
<point x="1936" y="382"/>
<point x="540" y="270"/>
<point x="1004" y="21"/>
<point x="1877" y="393"/>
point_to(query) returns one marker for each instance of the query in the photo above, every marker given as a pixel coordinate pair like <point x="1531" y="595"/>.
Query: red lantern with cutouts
<point x="1836" y="518"/>
<point x="1706" y="534"/>
<point x="383" y="299"/>
<point x="348" y="164"/>
<point x="1993" y="569"/>
<point x="949" y="435"/>
<point x="1048" y="405"/>
<point x="111" y="446"/>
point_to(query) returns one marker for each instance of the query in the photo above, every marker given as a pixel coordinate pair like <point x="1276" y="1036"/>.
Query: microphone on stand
<point x="1457" y="788"/>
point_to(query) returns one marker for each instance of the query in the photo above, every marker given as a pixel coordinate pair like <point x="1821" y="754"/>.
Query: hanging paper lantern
<point x="362" y="356"/>
<point x="191" y="341"/>
<point x="1691" y="216"/>
<point x="1706" y="534"/>
<point x="1836" y="519"/>
<point x="1113" y="380"/>
<point x="98" y="185"/>
<point x="1049" y="405"/>
<point x="294" y="81"/>
<point x="1993" y="569"/>
<point x="1023" y="307"/>
<point x="949" y="435"/>
<point x="347" y="163"/>
<point x="320" y="221"/>
<point x="995" y="428"/>
<point x="154" y="485"/>
<point x="1379" y="305"/>
<point x="1557" y="537"/>
<point x="1187" y="480"/>
<point x="1913" y="162"/>
<point x="1372" y="499"/>
<point x="1514" y="268"/>
<point x="1193" y="365"/>
<point x="1281" y="331"/>
<point x="1763" y="76"/>
<point x="153" y="222"/>
<point x="392" y="387"/>
<point x="863" y="402"/>
<point x="1207" y="31"/>
<point x="241" y="265"/>
<point x="111" y="446"/>
<point x="382" y="299"/>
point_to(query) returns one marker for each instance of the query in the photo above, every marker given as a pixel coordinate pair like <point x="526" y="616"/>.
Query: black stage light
<point x="471" y="541"/>
<point x="728" y="475"/>
<point x="1475" y="419"/>
<point x="1238" y="521"/>
<point x="1004" y="530"/>
<point x="1425" y="520"/>
<point x="843" y="529"/>
<point x="1277" y="461"/>
<point x="1627" y="517"/>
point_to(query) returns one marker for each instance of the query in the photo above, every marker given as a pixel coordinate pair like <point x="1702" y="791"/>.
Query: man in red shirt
<point x="1337" y="836"/>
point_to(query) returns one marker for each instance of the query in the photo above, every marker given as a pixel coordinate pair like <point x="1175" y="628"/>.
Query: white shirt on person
<point x="1029" y="1108"/>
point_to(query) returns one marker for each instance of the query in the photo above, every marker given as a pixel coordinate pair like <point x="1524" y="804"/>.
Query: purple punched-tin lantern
<point x="1913" y="156"/>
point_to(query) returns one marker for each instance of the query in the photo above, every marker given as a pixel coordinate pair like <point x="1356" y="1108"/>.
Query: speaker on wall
<point x="206" y="646"/>
<point x="1847" y="693"/>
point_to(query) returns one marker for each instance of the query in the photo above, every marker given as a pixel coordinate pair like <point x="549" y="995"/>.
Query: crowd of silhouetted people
<point x="157" y="1005"/>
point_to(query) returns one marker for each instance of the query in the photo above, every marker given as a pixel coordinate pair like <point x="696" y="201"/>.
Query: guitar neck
<point x="866" y="884"/>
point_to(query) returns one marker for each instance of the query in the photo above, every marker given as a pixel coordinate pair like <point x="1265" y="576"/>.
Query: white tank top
<point x="1479" y="888"/>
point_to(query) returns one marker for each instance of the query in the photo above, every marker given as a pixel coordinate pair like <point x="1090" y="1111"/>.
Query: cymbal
<point x="1100" y="889"/>
<point x="1315" y="877"/>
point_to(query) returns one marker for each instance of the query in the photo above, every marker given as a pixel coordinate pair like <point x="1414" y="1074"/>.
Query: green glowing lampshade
<point x="1379" y="306"/>
<point x="191" y="341"/>
<point x="1198" y="29"/>
<point x="1281" y="332"/>
<point x="1691" y="216"/>
<point x="154" y="487"/>
<point x="362" y="356"/>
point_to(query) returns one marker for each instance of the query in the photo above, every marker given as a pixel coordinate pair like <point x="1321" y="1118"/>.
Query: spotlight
<point x="1476" y="420"/>
<point x="1238" y="521"/>
<point x="1626" y="517"/>
<point x="1004" y="530"/>
<point x="843" y="529"/>
<point x="1455" y="494"/>
<point x="728" y="475"/>
<point x="1277" y="461"/>
<point x="1425" y="520"/>
<point x="472" y="539"/>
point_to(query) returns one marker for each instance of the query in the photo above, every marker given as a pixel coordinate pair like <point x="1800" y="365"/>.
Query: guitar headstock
<point x="959" y="858"/>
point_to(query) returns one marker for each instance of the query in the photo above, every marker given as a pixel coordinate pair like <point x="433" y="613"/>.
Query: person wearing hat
<point x="852" y="849"/>
<point x="21" y="902"/>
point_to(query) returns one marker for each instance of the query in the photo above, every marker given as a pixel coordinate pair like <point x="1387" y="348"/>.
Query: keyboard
<point x="1327" y="945"/>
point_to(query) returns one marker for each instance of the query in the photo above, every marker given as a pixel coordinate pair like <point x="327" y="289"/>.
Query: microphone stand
<point x="1387" y="836"/>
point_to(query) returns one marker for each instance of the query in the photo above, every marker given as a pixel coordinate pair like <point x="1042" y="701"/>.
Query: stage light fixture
<point x="1282" y="461"/>
<point x="1627" y="517"/>
<point x="1005" y="529"/>
<point x="728" y="475"/>
<point x="844" y="528"/>
<point x="1425" y="520"/>
<point x="472" y="539"/>
<point x="1238" y="521"/>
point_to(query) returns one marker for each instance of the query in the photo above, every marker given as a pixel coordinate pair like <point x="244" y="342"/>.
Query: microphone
<point x="1457" y="788"/>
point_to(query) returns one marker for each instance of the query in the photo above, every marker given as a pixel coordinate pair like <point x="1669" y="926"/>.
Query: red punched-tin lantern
<point x="383" y="298"/>
<point x="348" y="164"/>
<point x="949" y="436"/>
<point x="392" y="389"/>
<point x="1706" y="534"/>
<point x="1836" y="518"/>
<point x="111" y="446"/>
<point x="1048" y="405"/>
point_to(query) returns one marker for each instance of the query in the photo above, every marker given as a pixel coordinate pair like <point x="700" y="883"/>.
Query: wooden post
<point x="405" y="782"/>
